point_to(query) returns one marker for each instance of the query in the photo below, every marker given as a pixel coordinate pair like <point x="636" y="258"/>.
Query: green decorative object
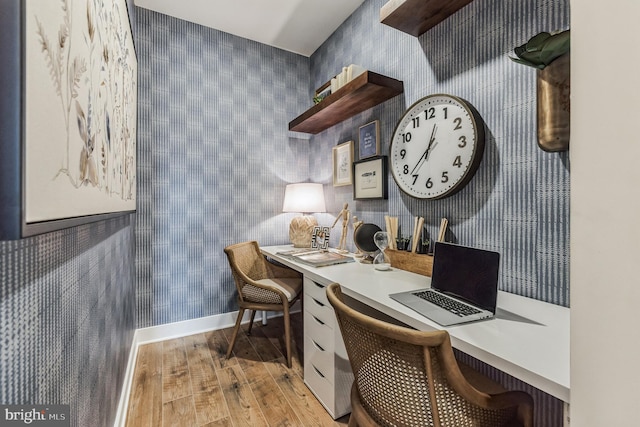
<point x="549" y="54"/>
<point x="542" y="49"/>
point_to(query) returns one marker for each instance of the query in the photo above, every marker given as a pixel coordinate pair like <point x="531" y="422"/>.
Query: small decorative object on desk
<point x="423" y="247"/>
<point x="320" y="237"/>
<point x="402" y="243"/>
<point x="344" y="214"/>
<point x="381" y="261"/>
<point x="321" y="258"/>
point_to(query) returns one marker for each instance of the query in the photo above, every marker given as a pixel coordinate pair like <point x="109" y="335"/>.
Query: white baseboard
<point x="169" y="331"/>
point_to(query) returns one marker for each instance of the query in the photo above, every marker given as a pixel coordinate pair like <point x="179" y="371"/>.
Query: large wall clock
<point x="436" y="147"/>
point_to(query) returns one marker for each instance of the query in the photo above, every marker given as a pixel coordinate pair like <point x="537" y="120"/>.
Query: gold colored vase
<point x="554" y="88"/>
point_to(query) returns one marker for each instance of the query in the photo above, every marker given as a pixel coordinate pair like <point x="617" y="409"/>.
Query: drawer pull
<point x="318" y="320"/>
<point x="317" y="345"/>
<point x="318" y="371"/>
<point x="318" y="285"/>
<point x="318" y="302"/>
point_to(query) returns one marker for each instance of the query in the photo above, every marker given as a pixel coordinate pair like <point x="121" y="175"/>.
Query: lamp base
<point x="301" y="230"/>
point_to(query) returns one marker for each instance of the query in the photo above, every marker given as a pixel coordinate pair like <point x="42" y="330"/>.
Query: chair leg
<point x="235" y="332"/>
<point x="253" y="315"/>
<point x="287" y="334"/>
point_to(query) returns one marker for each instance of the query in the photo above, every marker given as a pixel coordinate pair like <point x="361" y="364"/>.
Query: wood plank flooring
<point x="188" y="382"/>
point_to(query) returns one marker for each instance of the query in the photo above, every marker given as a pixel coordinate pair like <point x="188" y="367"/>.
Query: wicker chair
<point x="262" y="286"/>
<point x="405" y="377"/>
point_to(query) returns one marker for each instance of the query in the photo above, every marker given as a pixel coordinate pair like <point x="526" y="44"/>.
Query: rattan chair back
<point x="405" y="377"/>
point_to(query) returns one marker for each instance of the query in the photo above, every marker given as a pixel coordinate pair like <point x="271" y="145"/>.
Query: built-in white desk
<point x="527" y="339"/>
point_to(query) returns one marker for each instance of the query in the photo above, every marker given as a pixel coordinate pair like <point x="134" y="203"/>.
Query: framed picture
<point x="370" y="178"/>
<point x="68" y="153"/>
<point x="320" y="237"/>
<point x="342" y="160"/>
<point x="369" y="140"/>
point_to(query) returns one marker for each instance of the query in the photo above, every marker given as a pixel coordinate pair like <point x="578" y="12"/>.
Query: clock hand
<point x="425" y="155"/>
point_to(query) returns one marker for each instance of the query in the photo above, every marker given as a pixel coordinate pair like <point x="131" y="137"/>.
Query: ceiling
<point x="299" y="26"/>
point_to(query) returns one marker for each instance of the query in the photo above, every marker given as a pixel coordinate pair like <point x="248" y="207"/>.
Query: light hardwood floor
<point x="188" y="382"/>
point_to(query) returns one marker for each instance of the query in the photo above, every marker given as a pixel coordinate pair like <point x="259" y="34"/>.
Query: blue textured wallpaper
<point x="67" y="302"/>
<point x="215" y="153"/>
<point x="518" y="202"/>
<point x="214" y="157"/>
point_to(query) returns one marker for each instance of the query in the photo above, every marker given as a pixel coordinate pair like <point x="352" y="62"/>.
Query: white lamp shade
<point x="304" y="197"/>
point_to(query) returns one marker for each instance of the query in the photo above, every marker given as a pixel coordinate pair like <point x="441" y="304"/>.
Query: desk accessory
<point x="443" y="229"/>
<point x="322" y="258"/>
<point x="408" y="261"/>
<point x="303" y="198"/>
<point x="391" y="222"/>
<point x="417" y="233"/>
<point x="436" y="147"/>
<point x="320" y="238"/>
<point x="345" y="215"/>
<point x="381" y="261"/>
<point x="363" y="239"/>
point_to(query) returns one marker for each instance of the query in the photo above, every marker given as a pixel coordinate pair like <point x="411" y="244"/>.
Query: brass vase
<point x="554" y="88"/>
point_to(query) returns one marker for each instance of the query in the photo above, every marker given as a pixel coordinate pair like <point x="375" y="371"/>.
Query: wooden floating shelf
<point x="365" y="91"/>
<point x="416" y="17"/>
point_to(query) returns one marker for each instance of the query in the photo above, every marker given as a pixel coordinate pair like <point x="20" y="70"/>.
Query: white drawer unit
<point x="327" y="372"/>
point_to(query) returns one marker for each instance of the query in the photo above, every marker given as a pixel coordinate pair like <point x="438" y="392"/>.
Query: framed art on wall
<point x="370" y="178"/>
<point x="369" y="140"/>
<point x="342" y="159"/>
<point x="70" y="154"/>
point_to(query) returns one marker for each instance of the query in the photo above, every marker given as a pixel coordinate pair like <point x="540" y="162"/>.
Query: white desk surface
<point x="528" y="339"/>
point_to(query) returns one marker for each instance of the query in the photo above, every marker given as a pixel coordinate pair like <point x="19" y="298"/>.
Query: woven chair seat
<point x="289" y="286"/>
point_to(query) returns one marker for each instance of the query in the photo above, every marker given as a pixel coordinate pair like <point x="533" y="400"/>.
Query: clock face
<point x="436" y="147"/>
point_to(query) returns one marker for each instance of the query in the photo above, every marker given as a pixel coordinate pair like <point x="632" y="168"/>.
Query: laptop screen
<point x="467" y="273"/>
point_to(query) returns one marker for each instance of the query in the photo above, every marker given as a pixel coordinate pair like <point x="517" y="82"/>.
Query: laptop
<point x="464" y="286"/>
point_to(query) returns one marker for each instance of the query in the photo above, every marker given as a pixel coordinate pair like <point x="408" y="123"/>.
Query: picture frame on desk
<point x="342" y="159"/>
<point x="370" y="179"/>
<point x="369" y="140"/>
<point x="320" y="237"/>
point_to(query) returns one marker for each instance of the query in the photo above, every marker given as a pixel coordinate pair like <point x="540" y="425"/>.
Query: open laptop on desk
<point x="464" y="286"/>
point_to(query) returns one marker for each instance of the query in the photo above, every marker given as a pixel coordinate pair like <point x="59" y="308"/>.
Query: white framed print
<point x="342" y="160"/>
<point x="370" y="178"/>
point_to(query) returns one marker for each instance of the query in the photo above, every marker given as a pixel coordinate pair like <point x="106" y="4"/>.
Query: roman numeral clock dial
<point x="436" y="147"/>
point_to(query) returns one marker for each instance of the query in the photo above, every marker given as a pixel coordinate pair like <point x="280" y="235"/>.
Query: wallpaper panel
<point x="518" y="201"/>
<point x="214" y="158"/>
<point x="67" y="318"/>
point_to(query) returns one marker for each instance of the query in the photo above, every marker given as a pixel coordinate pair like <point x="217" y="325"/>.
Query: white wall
<point x="605" y="212"/>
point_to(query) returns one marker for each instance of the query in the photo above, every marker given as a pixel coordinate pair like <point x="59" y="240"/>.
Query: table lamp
<point x="305" y="198"/>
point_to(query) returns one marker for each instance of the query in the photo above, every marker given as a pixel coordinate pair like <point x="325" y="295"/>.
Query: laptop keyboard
<point x="447" y="303"/>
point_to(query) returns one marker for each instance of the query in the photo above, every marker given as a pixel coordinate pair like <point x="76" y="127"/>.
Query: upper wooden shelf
<point x="415" y="17"/>
<point x="365" y="91"/>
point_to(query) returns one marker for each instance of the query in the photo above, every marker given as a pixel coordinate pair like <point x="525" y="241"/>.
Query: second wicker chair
<point x="405" y="377"/>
